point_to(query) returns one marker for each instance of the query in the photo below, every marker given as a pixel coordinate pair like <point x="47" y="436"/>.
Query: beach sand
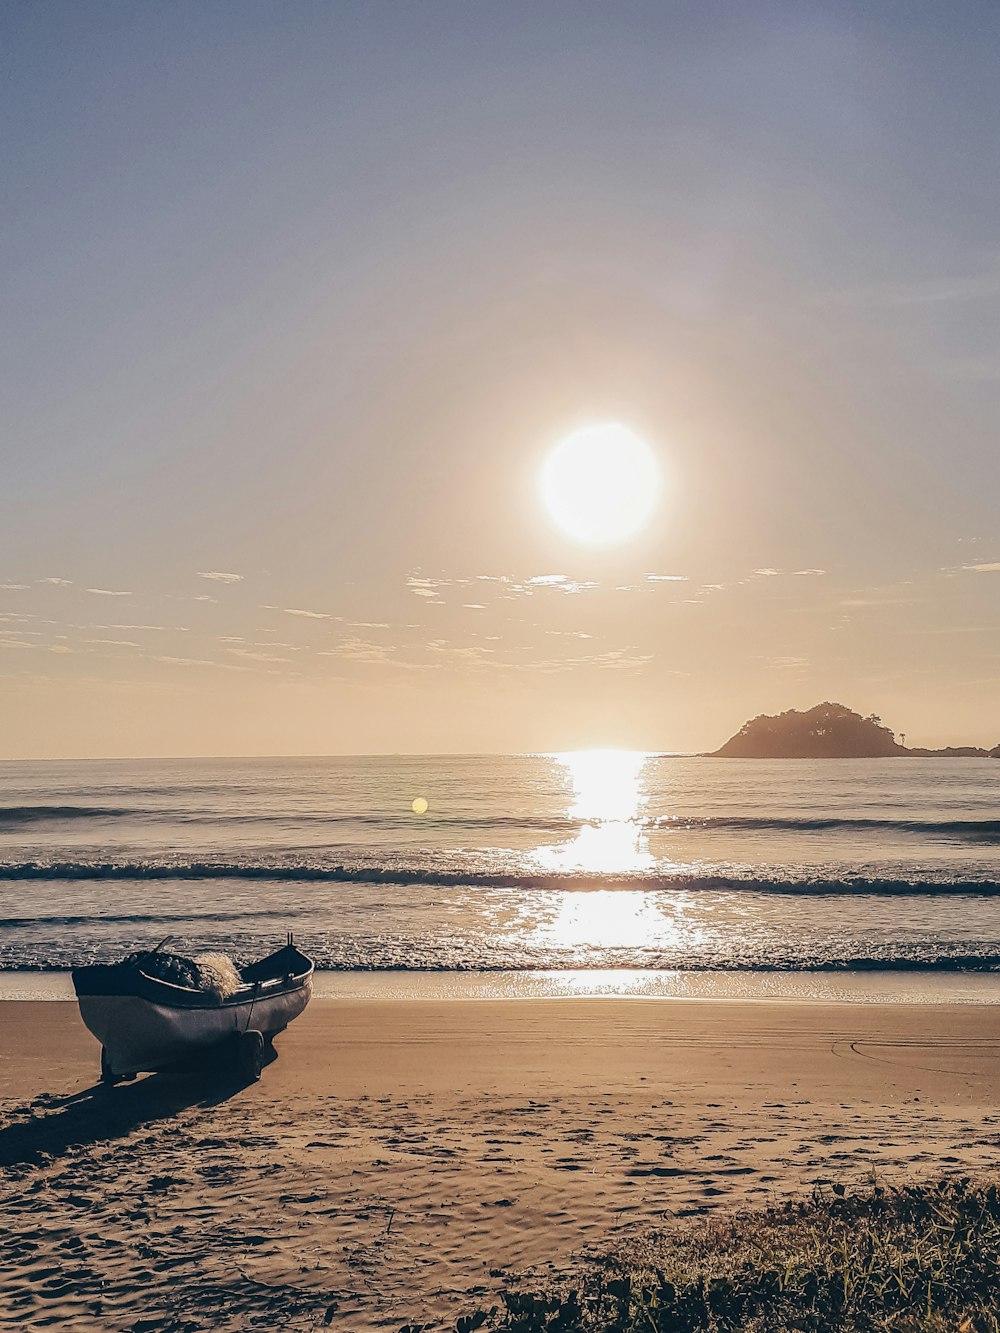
<point x="403" y="1159"/>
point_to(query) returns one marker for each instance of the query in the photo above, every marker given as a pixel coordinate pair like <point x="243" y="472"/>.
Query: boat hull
<point x="142" y="1036"/>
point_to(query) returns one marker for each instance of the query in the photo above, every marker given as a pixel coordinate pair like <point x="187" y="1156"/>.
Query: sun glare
<point x="600" y="485"/>
<point x="606" y="792"/>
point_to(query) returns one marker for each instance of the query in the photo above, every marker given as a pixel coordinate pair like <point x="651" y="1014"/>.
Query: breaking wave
<point x="331" y="955"/>
<point x="321" y="872"/>
<point x="985" y="831"/>
<point x="34" y="814"/>
<point x="971" y="830"/>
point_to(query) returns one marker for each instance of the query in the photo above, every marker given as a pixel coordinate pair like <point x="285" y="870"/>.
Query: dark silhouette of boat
<point x="156" y="1011"/>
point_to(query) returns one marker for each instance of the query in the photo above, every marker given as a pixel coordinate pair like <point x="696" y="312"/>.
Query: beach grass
<point x="919" y="1258"/>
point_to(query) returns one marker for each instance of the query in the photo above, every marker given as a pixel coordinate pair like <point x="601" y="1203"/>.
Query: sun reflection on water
<point x="608" y="918"/>
<point x="606" y="791"/>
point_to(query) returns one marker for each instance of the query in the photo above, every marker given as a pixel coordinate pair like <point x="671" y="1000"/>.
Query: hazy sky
<point x="296" y="297"/>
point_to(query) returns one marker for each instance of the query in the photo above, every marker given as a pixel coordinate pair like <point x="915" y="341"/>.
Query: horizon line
<point x="367" y="754"/>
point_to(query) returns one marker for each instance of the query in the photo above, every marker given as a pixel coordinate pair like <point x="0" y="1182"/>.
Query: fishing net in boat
<point x="213" y="973"/>
<point x="219" y="974"/>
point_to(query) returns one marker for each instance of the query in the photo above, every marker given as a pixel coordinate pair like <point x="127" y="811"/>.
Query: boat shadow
<point x="53" y="1125"/>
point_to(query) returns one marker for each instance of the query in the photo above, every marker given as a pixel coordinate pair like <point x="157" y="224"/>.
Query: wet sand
<point x="401" y="1158"/>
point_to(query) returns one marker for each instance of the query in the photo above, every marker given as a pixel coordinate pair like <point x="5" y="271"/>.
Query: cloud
<point x="257" y="657"/>
<point x="770" y="573"/>
<point x="512" y="587"/>
<point x="219" y="576"/>
<point x="59" y="583"/>
<point x="620" y="659"/>
<point x="309" y="615"/>
<point x="197" y="662"/>
<point x="559" y="582"/>
<point x="469" y="654"/>
<point x="478" y="656"/>
<point x="615" y="659"/>
<point x="12" y="587"/>
<point x="874" y="597"/>
<point x="160" y="629"/>
<point x="114" y="643"/>
<point x="428" y="588"/>
<point x="988" y="567"/>
<point x="108" y="592"/>
<point x="666" y="578"/>
<point x="355" y="649"/>
<point x="507" y="586"/>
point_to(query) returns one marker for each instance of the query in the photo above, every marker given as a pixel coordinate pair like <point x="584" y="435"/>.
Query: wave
<point x="964" y="962"/>
<point x="409" y="875"/>
<point x="964" y="830"/>
<point x="974" y="830"/>
<point x="128" y="918"/>
<point x="943" y="962"/>
<point x="31" y="814"/>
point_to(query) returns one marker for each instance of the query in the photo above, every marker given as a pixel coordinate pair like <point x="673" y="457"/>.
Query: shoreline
<point x="865" y="987"/>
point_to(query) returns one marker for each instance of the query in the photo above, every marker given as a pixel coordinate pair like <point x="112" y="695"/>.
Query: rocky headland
<point x="830" y="731"/>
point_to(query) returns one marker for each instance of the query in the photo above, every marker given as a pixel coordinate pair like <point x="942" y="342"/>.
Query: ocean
<point x="519" y="864"/>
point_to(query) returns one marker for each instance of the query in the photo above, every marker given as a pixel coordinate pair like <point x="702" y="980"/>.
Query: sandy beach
<point x="403" y="1160"/>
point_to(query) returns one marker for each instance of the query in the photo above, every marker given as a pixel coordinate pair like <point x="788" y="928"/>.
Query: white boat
<point x="147" y="1023"/>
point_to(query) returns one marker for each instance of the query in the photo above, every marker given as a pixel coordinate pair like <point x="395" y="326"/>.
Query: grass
<point x="919" y="1259"/>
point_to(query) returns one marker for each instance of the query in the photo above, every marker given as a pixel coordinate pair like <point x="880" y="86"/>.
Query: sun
<point x="601" y="484"/>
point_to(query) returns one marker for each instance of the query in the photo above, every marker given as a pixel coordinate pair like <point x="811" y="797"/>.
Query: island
<point x="830" y="731"/>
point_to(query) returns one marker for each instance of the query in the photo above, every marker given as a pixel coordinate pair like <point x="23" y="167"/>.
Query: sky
<point x="295" y="300"/>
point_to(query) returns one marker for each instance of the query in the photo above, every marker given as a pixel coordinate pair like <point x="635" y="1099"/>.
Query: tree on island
<point x="828" y="731"/>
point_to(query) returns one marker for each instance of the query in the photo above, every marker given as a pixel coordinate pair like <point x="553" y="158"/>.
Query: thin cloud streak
<point x="258" y="657"/>
<point x="197" y="662"/>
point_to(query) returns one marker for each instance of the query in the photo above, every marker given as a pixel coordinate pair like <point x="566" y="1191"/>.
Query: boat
<point x="156" y="1011"/>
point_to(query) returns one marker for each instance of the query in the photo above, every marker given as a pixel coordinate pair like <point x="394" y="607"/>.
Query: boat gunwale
<point x="251" y="992"/>
<point x="155" y="990"/>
